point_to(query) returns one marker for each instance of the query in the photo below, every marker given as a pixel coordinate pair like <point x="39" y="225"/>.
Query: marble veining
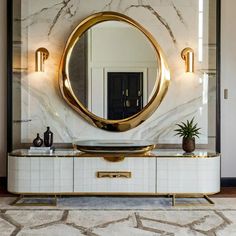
<point x="64" y="8"/>
<point x="108" y="5"/>
<point x="158" y="16"/>
<point x="179" y="14"/>
<point x="175" y="115"/>
<point x="21" y="121"/>
<point x="49" y="24"/>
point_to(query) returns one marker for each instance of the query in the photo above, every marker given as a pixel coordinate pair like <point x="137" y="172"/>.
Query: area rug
<point x="113" y="216"/>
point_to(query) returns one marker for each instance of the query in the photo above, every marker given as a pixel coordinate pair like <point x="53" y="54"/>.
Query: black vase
<point x="48" y="138"/>
<point x="37" y="142"/>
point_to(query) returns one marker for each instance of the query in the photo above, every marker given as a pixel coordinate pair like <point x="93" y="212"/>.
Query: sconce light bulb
<point x="41" y="55"/>
<point x="187" y="55"/>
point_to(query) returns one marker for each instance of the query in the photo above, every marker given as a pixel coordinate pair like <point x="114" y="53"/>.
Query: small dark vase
<point x="188" y="145"/>
<point x="37" y="142"/>
<point x="48" y="138"/>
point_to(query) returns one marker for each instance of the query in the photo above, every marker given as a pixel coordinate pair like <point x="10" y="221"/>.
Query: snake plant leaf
<point x="187" y="129"/>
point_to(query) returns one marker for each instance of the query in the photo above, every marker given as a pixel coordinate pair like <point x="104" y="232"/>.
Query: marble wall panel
<point x="174" y="24"/>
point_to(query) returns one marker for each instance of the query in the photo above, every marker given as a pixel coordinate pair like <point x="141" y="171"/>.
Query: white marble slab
<point x="48" y="24"/>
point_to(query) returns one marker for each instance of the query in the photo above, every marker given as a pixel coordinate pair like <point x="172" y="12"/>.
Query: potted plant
<point x="188" y="131"/>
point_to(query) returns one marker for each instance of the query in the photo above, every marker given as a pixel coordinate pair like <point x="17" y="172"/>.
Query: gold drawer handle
<point x="114" y="174"/>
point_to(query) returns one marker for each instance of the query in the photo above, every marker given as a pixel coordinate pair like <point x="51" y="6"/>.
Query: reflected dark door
<point x="125" y="94"/>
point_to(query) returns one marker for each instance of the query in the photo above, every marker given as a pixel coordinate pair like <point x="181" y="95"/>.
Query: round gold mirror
<point x="113" y="72"/>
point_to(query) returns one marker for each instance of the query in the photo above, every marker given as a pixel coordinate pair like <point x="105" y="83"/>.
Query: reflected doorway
<point x="125" y="94"/>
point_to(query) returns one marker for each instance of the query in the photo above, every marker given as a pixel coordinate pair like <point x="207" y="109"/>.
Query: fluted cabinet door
<point x="142" y="178"/>
<point x="188" y="175"/>
<point x="40" y="174"/>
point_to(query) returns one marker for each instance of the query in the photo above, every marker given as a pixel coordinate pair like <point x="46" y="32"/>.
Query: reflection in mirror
<point x="113" y="70"/>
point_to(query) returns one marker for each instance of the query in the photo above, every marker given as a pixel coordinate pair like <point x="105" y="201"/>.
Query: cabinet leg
<point x="173" y="200"/>
<point x="16" y="200"/>
<point x="209" y="201"/>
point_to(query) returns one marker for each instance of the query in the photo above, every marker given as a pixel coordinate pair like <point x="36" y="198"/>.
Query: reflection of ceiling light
<point x="188" y="56"/>
<point x="41" y="55"/>
<point x="166" y="73"/>
<point x="67" y="83"/>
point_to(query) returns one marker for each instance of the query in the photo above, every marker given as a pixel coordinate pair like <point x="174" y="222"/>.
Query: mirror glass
<point x="113" y="70"/>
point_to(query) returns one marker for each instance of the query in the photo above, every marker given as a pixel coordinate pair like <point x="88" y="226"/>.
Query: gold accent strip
<point x="161" y="85"/>
<point x="114" y="174"/>
<point x="147" y="153"/>
<point x="115" y="151"/>
<point x="110" y="193"/>
<point x="114" y="158"/>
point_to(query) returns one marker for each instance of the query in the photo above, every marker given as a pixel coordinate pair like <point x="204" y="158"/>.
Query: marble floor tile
<point x="66" y="220"/>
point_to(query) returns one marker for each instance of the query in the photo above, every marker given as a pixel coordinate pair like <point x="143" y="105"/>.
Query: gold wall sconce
<point x="41" y="55"/>
<point x="187" y="55"/>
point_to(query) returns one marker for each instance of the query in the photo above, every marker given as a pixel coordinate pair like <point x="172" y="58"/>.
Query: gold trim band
<point x="110" y="193"/>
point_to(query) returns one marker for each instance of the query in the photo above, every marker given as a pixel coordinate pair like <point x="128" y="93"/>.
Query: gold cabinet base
<point x="19" y="201"/>
<point x="209" y="201"/>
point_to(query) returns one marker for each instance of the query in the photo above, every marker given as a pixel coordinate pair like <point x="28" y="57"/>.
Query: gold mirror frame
<point x="163" y="76"/>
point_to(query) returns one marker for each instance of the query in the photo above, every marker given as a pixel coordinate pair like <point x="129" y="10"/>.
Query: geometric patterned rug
<point x="120" y="220"/>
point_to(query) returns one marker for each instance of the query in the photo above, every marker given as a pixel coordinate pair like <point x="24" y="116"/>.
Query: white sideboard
<point x="72" y="172"/>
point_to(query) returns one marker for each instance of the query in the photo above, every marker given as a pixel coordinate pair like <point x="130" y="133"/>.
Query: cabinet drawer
<point x="132" y="175"/>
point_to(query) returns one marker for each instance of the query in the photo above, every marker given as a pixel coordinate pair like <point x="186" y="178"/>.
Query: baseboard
<point x="228" y="182"/>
